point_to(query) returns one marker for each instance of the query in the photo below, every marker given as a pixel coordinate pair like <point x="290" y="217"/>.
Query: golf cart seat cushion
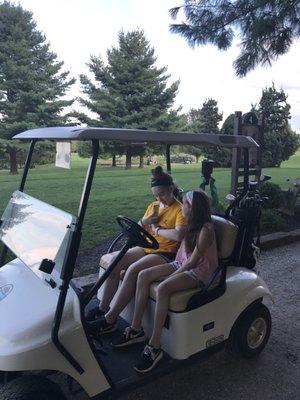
<point x="107" y="259"/>
<point x="178" y="300"/>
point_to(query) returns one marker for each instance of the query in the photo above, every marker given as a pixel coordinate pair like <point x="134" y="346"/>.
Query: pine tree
<point x="211" y="117"/>
<point x="266" y="28"/>
<point x="31" y="82"/>
<point x="129" y="91"/>
<point x="280" y="142"/>
<point x="194" y="124"/>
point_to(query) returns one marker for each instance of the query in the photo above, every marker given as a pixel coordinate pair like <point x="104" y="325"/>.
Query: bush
<point x="183" y="158"/>
<point x="273" y="192"/>
<point x="84" y="149"/>
<point x="272" y="220"/>
<point x="219" y="208"/>
<point x="44" y="153"/>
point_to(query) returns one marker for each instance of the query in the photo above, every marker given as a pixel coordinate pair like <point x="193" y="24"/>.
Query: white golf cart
<point x="43" y="326"/>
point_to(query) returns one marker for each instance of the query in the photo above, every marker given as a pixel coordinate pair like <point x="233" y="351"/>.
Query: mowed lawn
<point x="117" y="191"/>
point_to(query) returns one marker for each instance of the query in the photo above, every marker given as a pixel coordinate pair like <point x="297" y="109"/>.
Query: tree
<point x="193" y="124"/>
<point x="210" y="119"/>
<point x="228" y="125"/>
<point x="31" y="82"/>
<point x="280" y="142"/>
<point x="266" y="28"/>
<point x="129" y="91"/>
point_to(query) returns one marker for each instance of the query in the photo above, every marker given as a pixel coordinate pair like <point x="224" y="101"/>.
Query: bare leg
<point x="172" y="284"/>
<point x="145" y="278"/>
<point x="128" y="286"/>
<point x="112" y="282"/>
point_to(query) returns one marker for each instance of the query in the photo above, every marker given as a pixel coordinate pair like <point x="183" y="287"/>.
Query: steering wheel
<point x="136" y="233"/>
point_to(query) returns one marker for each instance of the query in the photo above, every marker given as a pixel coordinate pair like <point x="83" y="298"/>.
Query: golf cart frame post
<point x="123" y="135"/>
<point x="249" y="125"/>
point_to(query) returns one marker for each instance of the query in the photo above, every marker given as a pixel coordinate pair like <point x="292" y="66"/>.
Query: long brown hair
<point x="199" y="215"/>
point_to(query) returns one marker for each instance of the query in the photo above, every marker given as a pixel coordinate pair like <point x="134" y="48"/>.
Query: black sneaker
<point x="94" y="313"/>
<point x="101" y="326"/>
<point x="129" y="336"/>
<point x="150" y="357"/>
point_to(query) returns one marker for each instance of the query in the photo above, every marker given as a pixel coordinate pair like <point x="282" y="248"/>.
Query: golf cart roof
<point x="136" y="136"/>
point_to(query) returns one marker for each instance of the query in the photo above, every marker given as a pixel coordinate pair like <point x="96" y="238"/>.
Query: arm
<point x="203" y="242"/>
<point x="175" y="234"/>
<point x="149" y="218"/>
<point x="145" y="222"/>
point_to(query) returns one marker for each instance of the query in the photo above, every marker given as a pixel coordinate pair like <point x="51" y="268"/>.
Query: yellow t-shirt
<point x="169" y="217"/>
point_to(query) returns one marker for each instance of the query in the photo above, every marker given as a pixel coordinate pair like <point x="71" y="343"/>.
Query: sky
<point x="77" y="29"/>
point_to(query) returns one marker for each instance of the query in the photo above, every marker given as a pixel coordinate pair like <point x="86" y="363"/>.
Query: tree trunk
<point x="197" y="159"/>
<point x="114" y="161"/>
<point x="128" y="158"/>
<point x="13" y="161"/>
<point x="141" y="161"/>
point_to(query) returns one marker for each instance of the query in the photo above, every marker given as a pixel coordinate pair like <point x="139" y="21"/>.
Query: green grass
<point x="117" y="191"/>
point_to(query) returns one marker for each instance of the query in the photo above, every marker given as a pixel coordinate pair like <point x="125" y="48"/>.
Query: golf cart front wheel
<point x="31" y="387"/>
<point x="251" y="332"/>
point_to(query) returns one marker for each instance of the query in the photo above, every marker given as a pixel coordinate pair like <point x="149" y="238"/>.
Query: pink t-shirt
<point x="207" y="263"/>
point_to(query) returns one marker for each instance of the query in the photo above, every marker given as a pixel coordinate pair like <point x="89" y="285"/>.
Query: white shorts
<point x="177" y="264"/>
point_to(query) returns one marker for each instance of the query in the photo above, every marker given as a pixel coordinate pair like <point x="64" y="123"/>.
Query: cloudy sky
<point x="77" y="29"/>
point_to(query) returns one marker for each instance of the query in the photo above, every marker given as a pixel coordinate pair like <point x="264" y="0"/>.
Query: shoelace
<point x="148" y="351"/>
<point x="127" y="332"/>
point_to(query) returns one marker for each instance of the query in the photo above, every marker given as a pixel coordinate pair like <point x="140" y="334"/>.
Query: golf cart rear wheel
<point x="31" y="387"/>
<point x="251" y="332"/>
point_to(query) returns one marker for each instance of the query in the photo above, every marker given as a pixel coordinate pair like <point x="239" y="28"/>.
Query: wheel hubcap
<point x="256" y="333"/>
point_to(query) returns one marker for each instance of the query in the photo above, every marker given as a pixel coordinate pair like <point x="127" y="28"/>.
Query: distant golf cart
<point x="43" y="326"/>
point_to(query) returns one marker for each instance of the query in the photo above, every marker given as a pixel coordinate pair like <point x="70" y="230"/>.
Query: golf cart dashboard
<point x="36" y="232"/>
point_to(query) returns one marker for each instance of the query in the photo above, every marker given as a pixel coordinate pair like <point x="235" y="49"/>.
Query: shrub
<point x="84" y="149"/>
<point x="271" y="220"/>
<point x="183" y="158"/>
<point x="273" y="192"/>
<point x="219" y="208"/>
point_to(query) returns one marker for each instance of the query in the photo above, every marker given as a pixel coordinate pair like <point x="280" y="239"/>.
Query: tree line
<point x="127" y="91"/>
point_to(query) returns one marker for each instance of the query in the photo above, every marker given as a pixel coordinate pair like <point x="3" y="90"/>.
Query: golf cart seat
<point x="226" y="233"/>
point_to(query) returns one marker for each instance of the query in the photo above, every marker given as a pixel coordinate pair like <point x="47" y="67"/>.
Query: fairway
<point x="117" y="191"/>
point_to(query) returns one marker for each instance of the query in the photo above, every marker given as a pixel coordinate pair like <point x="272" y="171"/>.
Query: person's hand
<point x="154" y="228"/>
<point x="151" y="220"/>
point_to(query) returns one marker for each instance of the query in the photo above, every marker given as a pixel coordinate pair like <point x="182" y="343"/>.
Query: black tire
<point x="31" y="387"/>
<point x="251" y="332"/>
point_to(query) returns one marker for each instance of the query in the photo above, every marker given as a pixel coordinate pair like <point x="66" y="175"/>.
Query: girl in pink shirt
<point x="195" y="262"/>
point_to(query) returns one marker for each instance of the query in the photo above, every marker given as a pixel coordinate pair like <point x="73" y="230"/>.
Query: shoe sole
<point x="96" y="330"/>
<point x="158" y="358"/>
<point x="129" y="343"/>
<point x="110" y="330"/>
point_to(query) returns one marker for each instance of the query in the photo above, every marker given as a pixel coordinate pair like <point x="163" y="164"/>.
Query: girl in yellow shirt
<point x="164" y="220"/>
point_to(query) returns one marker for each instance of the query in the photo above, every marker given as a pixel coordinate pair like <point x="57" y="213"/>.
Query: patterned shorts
<point x="177" y="264"/>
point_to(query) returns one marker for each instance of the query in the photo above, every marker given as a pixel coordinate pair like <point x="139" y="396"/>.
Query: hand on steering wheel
<point x="138" y="235"/>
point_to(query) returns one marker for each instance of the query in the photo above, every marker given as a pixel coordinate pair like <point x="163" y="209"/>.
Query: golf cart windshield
<point x="35" y="231"/>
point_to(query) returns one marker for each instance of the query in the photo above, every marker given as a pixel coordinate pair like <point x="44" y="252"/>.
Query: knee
<point x="163" y="290"/>
<point x="132" y="272"/>
<point x="144" y="277"/>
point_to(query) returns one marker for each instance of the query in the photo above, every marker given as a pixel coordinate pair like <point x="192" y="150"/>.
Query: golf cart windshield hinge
<point x="47" y="266"/>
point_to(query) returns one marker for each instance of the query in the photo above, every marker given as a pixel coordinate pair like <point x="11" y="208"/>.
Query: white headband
<point x="189" y="196"/>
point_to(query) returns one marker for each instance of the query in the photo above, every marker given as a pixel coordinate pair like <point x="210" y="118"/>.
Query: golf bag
<point x="246" y="215"/>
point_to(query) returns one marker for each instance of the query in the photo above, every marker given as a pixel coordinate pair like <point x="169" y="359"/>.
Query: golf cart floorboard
<point x="119" y="363"/>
